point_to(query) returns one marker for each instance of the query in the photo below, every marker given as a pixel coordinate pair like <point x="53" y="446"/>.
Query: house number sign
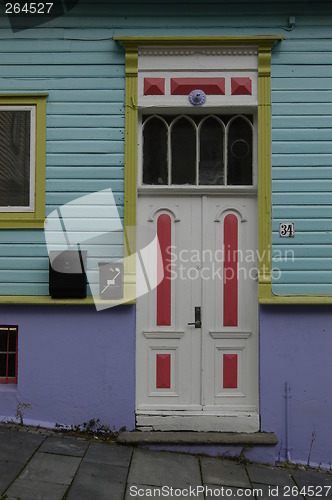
<point x="286" y="229"/>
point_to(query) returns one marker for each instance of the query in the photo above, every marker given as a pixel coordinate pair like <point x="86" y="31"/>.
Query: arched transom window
<point x="199" y="150"/>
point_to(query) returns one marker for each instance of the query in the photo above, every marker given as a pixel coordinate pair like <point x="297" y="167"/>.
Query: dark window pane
<point x="3" y="363"/>
<point x="211" y="161"/>
<point x="183" y="144"/>
<point x="11" y="365"/>
<point x="239" y="167"/>
<point x="12" y="342"/>
<point x="155" y="152"/>
<point x="14" y="158"/>
<point x="3" y="341"/>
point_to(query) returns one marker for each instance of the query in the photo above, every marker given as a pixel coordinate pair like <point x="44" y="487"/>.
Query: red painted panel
<point x="230" y="371"/>
<point x="230" y="270"/>
<point x="163" y="378"/>
<point x="164" y="233"/>
<point x="212" y="86"/>
<point x="154" y="86"/>
<point x="241" y="86"/>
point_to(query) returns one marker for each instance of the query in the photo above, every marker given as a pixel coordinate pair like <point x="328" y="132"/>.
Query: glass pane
<point x="12" y="342"/>
<point x="3" y="365"/>
<point x="11" y="365"/>
<point x="155" y="152"/>
<point x="211" y="161"/>
<point x="183" y="152"/>
<point x="239" y="153"/>
<point x="3" y="341"/>
<point x="14" y="158"/>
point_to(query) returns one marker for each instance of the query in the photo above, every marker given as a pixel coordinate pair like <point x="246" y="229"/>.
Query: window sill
<point x="8" y="387"/>
<point x="16" y="222"/>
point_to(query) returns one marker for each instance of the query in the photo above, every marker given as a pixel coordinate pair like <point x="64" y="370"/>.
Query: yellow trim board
<point x="13" y="220"/>
<point x="47" y="300"/>
<point x="257" y="40"/>
<point x="296" y="299"/>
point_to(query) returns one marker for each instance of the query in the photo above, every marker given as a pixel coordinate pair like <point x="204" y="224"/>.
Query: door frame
<point x="264" y="46"/>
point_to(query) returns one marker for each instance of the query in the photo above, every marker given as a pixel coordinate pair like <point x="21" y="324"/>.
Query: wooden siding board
<point x="302" y="96"/>
<point x="67" y="121"/>
<point x="301" y="211"/>
<point x="302" y="289"/>
<point x="301" y="122"/>
<point x="303" y="264"/>
<point x="84" y="159"/>
<point x="312" y="185"/>
<point x="298" y="251"/>
<point x="304" y="135"/>
<point x="83" y="134"/>
<point x="62" y="198"/>
<point x="86" y="146"/>
<point x="79" y="172"/>
<point x="299" y="84"/>
<point x="304" y="237"/>
<point x="301" y="160"/>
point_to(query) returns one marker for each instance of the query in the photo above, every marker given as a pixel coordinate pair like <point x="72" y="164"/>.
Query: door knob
<point x="197" y="322"/>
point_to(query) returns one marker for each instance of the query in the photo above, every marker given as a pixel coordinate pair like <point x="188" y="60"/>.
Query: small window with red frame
<point x="8" y="354"/>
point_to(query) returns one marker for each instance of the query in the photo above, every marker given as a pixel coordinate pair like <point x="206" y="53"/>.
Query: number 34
<point x="286" y="229"/>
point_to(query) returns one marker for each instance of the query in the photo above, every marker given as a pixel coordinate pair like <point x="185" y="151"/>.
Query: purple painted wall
<point x="296" y="347"/>
<point x="75" y="364"/>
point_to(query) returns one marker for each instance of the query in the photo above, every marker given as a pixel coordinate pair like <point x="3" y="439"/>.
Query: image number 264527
<point x="25" y="15"/>
<point x="28" y="8"/>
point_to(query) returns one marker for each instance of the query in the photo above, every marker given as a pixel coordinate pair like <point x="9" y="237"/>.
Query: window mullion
<point x="169" y="155"/>
<point x="225" y="154"/>
<point x="197" y="154"/>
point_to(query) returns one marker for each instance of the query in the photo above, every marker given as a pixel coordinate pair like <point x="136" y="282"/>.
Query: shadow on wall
<point x="295" y="349"/>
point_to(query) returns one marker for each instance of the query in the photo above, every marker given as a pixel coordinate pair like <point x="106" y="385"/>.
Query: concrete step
<point x="195" y="438"/>
<point x="256" y="446"/>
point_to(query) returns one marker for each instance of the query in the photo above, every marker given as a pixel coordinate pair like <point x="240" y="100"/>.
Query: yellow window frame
<point x="35" y="219"/>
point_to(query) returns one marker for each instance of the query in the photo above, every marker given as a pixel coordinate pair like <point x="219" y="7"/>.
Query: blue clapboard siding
<point x="75" y="60"/>
<point x="302" y="166"/>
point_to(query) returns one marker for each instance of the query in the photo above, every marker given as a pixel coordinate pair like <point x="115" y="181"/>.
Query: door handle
<point x="197" y="322"/>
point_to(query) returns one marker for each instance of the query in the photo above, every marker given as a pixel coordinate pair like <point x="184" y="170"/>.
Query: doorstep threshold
<point x="198" y="438"/>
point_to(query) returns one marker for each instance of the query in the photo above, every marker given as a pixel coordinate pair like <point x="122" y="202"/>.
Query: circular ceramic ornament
<point x="197" y="97"/>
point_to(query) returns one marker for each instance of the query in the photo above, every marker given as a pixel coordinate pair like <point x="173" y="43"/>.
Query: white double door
<point x="201" y="376"/>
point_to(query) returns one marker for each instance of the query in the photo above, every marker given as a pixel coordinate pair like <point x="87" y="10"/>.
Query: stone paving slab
<point x="49" y="468"/>
<point x="265" y="474"/>
<point x="111" y="454"/>
<point x="95" y="481"/>
<point x="8" y="471"/>
<point x="224" y="473"/>
<point x="24" y="489"/>
<point x="315" y="479"/>
<point x="18" y="446"/>
<point x="64" y="446"/>
<point x="164" y="468"/>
